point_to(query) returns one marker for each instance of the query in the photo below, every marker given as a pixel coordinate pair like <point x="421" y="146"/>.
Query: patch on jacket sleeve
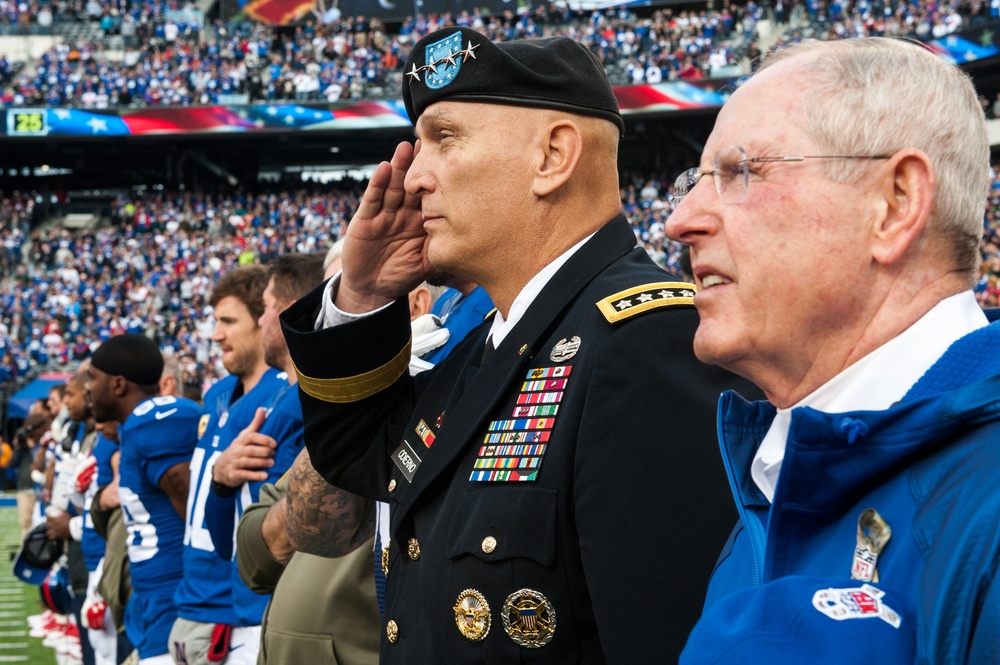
<point x="639" y="299"/>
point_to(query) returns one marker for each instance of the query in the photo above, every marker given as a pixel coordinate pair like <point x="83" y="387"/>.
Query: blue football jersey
<point x="284" y="425"/>
<point x="205" y="594"/>
<point x="92" y="544"/>
<point x="160" y="433"/>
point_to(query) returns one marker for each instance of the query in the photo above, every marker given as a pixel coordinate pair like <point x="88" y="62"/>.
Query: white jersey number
<point x="195" y="533"/>
<point x="143" y="541"/>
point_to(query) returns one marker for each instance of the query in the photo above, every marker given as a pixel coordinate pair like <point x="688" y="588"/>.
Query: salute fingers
<point x="384" y="255"/>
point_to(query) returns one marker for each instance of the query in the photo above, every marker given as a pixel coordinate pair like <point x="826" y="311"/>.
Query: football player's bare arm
<point x="174" y="483"/>
<point x="322" y="519"/>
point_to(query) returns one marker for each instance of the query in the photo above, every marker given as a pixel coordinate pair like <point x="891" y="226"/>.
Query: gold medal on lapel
<point x="529" y="618"/>
<point x="472" y="615"/>
<point x="385" y="559"/>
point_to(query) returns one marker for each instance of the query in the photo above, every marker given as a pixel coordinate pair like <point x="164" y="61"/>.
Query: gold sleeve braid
<point x="355" y="388"/>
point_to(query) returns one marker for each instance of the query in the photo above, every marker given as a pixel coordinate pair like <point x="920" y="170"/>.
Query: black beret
<point x="135" y="357"/>
<point x="460" y="64"/>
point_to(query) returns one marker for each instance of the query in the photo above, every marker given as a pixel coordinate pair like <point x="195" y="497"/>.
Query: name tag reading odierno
<point x="407" y="460"/>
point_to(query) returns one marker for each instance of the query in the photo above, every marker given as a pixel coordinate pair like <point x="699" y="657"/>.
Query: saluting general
<point x="555" y="489"/>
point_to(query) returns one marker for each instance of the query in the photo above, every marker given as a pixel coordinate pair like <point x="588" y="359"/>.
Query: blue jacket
<point x="930" y="466"/>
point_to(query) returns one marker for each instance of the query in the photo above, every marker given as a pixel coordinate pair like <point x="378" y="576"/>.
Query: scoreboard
<point x="27" y="122"/>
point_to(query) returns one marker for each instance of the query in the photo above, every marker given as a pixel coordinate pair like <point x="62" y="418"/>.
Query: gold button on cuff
<point x="489" y="544"/>
<point x="392" y="486"/>
<point x="392" y="631"/>
<point x="413" y="548"/>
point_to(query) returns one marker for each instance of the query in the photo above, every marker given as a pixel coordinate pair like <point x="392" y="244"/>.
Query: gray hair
<point x="876" y="96"/>
<point x="172" y="367"/>
<point x="436" y="290"/>
<point x="332" y="254"/>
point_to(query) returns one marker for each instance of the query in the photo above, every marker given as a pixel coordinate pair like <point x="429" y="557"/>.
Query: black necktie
<point x="487" y="350"/>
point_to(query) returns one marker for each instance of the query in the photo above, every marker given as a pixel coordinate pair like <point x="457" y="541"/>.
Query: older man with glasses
<point x="835" y="257"/>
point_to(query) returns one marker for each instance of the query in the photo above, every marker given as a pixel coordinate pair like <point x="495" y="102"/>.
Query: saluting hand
<point x="248" y="457"/>
<point x="385" y="248"/>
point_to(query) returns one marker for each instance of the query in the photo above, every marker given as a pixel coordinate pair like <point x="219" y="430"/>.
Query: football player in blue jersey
<point x="264" y="450"/>
<point x="156" y="438"/>
<point x="207" y="624"/>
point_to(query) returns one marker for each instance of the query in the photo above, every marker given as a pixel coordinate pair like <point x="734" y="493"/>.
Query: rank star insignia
<point x="529" y="618"/>
<point x="644" y="298"/>
<point x="472" y="615"/>
<point x="469" y="52"/>
<point x="414" y="73"/>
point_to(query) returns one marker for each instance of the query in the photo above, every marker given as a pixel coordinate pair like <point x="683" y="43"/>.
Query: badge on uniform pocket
<point x="529" y="618"/>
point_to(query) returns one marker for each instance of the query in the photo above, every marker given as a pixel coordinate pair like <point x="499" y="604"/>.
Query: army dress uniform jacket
<point x="563" y="501"/>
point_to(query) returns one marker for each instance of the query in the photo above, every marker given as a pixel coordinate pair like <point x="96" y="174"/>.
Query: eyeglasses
<point x="732" y="172"/>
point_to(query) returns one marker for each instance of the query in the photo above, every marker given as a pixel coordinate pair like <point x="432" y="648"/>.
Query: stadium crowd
<point x="150" y="271"/>
<point x="168" y="61"/>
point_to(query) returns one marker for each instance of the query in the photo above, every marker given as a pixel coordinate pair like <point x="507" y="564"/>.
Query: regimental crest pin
<point x="565" y="349"/>
<point x="442" y="64"/>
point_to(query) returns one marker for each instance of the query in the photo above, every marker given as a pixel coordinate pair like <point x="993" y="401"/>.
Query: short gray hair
<point x="172" y="367"/>
<point x="876" y="96"/>
<point x="332" y="254"/>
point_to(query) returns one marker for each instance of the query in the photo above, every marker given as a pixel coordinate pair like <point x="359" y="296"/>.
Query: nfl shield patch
<point x="442" y="65"/>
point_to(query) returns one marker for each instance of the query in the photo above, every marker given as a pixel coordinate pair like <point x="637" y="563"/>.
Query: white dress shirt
<point x="877" y="381"/>
<point x="330" y="315"/>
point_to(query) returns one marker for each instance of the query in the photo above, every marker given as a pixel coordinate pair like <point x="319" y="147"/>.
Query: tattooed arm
<point x="321" y="519"/>
<point x="174" y="483"/>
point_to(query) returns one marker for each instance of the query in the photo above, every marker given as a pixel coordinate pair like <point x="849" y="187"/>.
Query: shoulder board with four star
<point x="639" y="299"/>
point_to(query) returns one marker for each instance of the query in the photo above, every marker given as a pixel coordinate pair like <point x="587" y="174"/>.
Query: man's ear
<point x="420" y="302"/>
<point x="906" y="198"/>
<point x="119" y="386"/>
<point x="561" y="144"/>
